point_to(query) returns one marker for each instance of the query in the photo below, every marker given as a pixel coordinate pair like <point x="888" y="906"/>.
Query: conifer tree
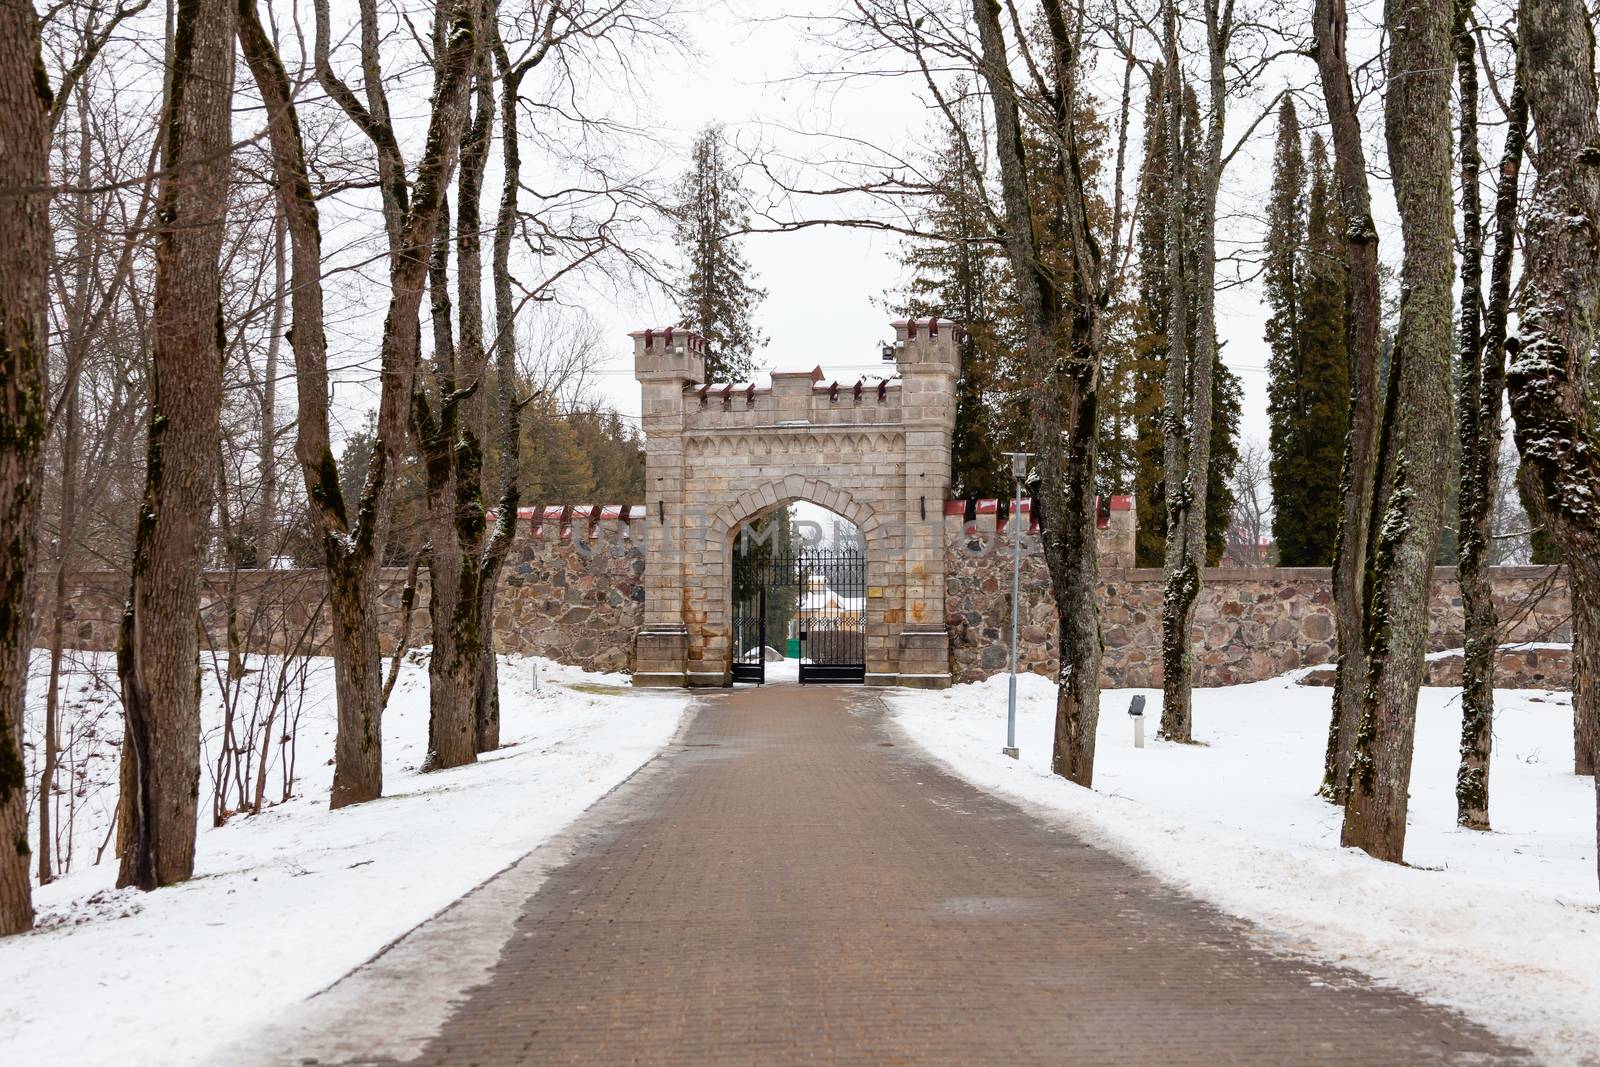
<point x="1148" y="370"/>
<point x="1309" y="388"/>
<point x="1148" y="488"/>
<point x="962" y="277"/>
<point x="1325" y="383"/>
<point x="1227" y="403"/>
<point x="1286" y="406"/>
<point x="716" y="296"/>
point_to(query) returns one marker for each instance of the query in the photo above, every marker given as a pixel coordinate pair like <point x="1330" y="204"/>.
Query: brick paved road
<point x="787" y="885"/>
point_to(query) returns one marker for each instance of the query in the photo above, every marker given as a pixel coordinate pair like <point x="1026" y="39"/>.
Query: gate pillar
<point x="930" y="361"/>
<point x="666" y="363"/>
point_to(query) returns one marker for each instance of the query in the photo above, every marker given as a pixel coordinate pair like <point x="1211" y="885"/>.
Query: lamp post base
<point x="1013" y="753"/>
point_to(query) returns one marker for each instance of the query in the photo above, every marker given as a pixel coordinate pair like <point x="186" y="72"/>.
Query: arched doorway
<point x="798" y="598"/>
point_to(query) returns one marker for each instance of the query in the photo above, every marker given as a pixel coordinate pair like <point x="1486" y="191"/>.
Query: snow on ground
<point x="286" y="902"/>
<point x="1503" y="925"/>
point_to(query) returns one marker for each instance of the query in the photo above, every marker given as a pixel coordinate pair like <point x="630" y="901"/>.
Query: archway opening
<point x="798" y="597"/>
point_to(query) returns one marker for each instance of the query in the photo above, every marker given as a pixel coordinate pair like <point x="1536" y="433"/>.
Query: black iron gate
<point x="811" y="605"/>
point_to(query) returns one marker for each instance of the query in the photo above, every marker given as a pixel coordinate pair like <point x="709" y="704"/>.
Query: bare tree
<point x="449" y="428"/>
<point x="353" y="543"/>
<point x="158" y="649"/>
<point x="1252" y="511"/>
<point x="1549" y="374"/>
<point x="1414" y="447"/>
<point x="1363" y="312"/>
<point x="1062" y="326"/>
<point x="1187" y="394"/>
<point x="1482" y="395"/>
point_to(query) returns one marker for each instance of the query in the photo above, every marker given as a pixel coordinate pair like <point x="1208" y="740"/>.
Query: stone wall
<point x="571" y="590"/>
<point x="1250" y="624"/>
<point x="1516" y="667"/>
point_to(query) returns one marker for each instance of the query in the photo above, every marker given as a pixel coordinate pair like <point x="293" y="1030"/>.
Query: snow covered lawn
<point x="284" y="903"/>
<point x="1504" y="925"/>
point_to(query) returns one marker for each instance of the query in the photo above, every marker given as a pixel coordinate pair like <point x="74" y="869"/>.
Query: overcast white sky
<point x="826" y="286"/>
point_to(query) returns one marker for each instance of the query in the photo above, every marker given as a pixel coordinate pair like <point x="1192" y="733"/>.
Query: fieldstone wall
<point x="571" y="590"/>
<point x="1251" y="623"/>
<point x="1516" y="667"/>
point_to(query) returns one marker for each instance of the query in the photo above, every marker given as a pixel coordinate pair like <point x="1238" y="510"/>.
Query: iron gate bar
<point x="823" y="591"/>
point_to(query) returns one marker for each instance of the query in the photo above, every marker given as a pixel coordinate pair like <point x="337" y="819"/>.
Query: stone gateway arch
<point x="877" y="453"/>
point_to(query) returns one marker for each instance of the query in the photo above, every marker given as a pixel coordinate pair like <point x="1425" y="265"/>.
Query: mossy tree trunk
<point x="25" y="104"/>
<point x="1362" y="314"/>
<point x="450" y="431"/>
<point x="1548" y="377"/>
<point x="1189" y="392"/>
<point x="1479" y="400"/>
<point x="1414" y="444"/>
<point x="157" y="654"/>
<point x="1062" y="321"/>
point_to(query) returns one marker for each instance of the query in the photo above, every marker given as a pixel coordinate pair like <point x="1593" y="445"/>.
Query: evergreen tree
<point x="716" y="295"/>
<point x="1325" y="381"/>
<point x="962" y="277"/>
<point x="1227" y="403"/>
<point x="1150" y="333"/>
<point x="1148" y="369"/>
<point x="1286" y="402"/>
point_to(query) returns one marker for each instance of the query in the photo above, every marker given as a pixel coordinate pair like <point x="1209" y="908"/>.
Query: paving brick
<point x="794" y="886"/>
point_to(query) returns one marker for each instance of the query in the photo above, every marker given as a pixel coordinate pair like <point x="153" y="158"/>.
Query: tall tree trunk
<point x="66" y="521"/>
<point x="25" y="103"/>
<point x="1482" y="393"/>
<point x="267" y="513"/>
<point x="1187" y="404"/>
<point x="157" y="654"/>
<point x="1063" y="354"/>
<point x="1176" y="654"/>
<point x="1414" y="448"/>
<point x="504" y="346"/>
<point x="353" y="543"/>
<point x="1560" y="315"/>
<point x="451" y="439"/>
<point x="1362" y="312"/>
<point x="1479" y="439"/>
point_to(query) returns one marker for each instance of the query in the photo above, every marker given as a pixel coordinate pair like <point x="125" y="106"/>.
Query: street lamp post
<point x="1019" y="472"/>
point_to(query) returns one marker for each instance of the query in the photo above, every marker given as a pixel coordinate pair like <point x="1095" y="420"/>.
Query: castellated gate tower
<point x="717" y="456"/>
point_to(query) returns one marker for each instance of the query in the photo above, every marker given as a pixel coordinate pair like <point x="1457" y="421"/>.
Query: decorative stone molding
<point x="717" y="456"/>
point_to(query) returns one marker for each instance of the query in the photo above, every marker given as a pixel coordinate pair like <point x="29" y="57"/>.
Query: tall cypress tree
<point x="1227" y="403"/>
<point x="1286" y="401"/>
<point x="1324" y="384"/>
<point x="1148" y="369"/>
<point x="1151" y="335"/>
<point x="716" y="295"/>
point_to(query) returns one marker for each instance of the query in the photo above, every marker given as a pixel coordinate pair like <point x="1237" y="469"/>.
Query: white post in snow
<point x="1019" y="471"/>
